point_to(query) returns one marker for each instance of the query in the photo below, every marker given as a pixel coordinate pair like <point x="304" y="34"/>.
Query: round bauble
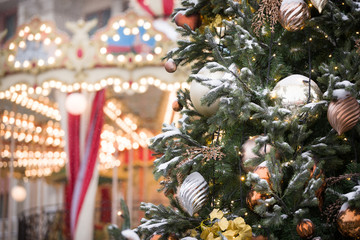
<point x="263" y="172"/>
<point x="176" y="106"/>
<point x="247" y="153"/>
<point x="293" y="14"/>
<point x="18" y="193"/>
<point x="348" y="221"/>
<point x="193" y="20"/>
<point x="294" y="90"/>
<point x="260" y="237"/>
<point x="170" y="66"/>
<point x="343" y="114"/>
<point x="158" y="236"/>
<point x="305" y="228"/>
<point x="198" y="91"/>
<point x="319" y="4"/>
<point x="253" y="197"/>
<point x="75" y="103"/>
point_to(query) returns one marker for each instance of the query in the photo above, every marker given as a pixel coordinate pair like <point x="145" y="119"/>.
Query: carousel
<point x="76" y="113"/>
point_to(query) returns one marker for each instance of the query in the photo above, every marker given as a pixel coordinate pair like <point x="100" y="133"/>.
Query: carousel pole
<point x="114" y="195"/>
<point x="11" y="175"/>
<point x="130" y="182"/>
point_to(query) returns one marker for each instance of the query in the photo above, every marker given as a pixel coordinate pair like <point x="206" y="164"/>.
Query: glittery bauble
<point x="319" y="4"/>
<point x="253" y="197"/>
<point x="193" y="20"/>
<point x="170" y="66"/>
<point x="348" y="221"/>
<point x="293" y="14"/>
<point x="305" y="228"/>
<point x="176" y="106"/>
<point x="247" y="153"/>
<point x="343" y="114"/>
<point x="263" y="172"/>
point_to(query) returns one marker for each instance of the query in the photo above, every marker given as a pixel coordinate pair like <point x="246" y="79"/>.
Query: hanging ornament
<point x="176" y="106"/>
<point x="305" y="228"/>
<point x="253" y="198"/>
<point x="343" y="114"/>
<point x="75" y="103"/>
<point x="193" y="193"/>
<point x="247" y="153"/>
<point x="259" y="237"/>
<point x="193" y="20"/>
<point x="348" y="221"/>
<point x="294" y="90"/>
<point x="18" y="193"/>
<point x="293" y="14"/>
<point x="263" y="172"/>
<point x="319" y="4"/>
<point x="198" y="91"/>
<point x="170" y="65"/>
<point x="158" y="236"/>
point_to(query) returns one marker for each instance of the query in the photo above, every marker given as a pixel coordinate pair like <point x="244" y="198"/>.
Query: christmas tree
<point x="268" y="143"/>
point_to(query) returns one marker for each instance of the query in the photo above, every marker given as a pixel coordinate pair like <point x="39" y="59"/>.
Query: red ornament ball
<point x="193" y="20"/>
<point x="176" y="106"/>
<point x="305" y="228"/>
<point x="170" y="66"/>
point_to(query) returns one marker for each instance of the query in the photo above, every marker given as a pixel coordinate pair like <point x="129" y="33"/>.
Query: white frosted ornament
<point x="198" y="91"/>
<point x="248" y="154"/>
<point x="75" y="103"/>
<point x="18" y="193"/>
<point x="193" y="193"/>
<point x="294" y="90"/>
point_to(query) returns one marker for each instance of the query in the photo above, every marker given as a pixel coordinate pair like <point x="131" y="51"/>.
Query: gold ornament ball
<point x="263" y="172"/>
<point x="305" y="228"/>
<point x="158" y="236"/>
<point x="170" y="66"/>
<point x="343" y="114"/>
<point x="193" y="20"/>
<point x="260" y="237"/>
<point x="248" y="154"/>
<point x="253" y="197"/>
<point x="176" y="106"/>
<point x="348" y="221"/>
<point x="293" y="14"/>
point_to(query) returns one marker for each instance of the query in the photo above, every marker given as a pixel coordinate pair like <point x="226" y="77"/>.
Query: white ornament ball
<point x="18" y="193"/>
<point x="198" y="91"/>
<point x="294" y="90"/>
<point x="248" y="153"/>
<point x="75" y="103"/>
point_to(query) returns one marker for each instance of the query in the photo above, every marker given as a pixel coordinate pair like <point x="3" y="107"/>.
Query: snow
<point x="166" y="28"/>
<point x="165" y="165"/>
<point x="151" y="225"/>
<point x="344" y="84"/>
<point x="351" y="195"/>
<point x="341" y="93"/>
<point x="130" y="234"/>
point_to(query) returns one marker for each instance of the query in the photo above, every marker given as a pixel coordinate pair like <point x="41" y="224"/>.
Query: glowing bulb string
<point x="268" y="72"/>
<point x="270" y="57"/>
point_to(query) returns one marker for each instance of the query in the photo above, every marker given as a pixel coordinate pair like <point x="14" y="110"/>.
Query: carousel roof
<point x="40" y="63"/>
